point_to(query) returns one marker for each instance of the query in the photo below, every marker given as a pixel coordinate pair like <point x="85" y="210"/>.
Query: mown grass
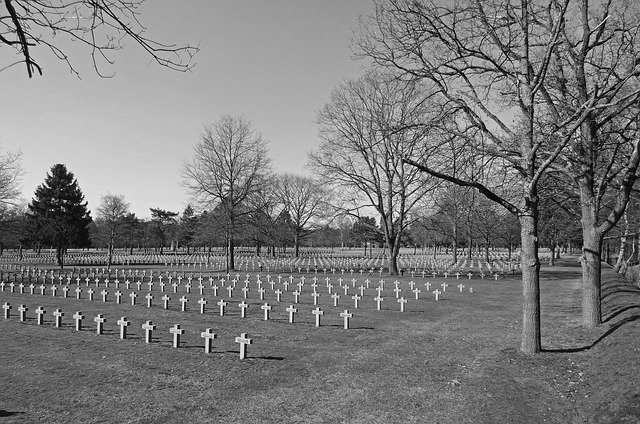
<point x="455" y="360"/>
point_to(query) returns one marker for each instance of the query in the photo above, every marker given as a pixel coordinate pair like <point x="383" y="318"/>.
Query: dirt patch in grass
<point x="455" y="360"/>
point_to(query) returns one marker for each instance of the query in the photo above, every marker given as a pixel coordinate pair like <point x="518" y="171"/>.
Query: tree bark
<point x="60" y="256"/>
<point x="590" y="258"/>
<point x="393" y="261"/>
<point x="530" y="262"/>
<point x="230" y="254"/>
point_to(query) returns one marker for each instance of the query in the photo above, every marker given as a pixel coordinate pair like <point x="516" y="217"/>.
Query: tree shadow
<point x="620" y="311"/>
<point x="4" y="413"/>
<point x="611" y="330"/>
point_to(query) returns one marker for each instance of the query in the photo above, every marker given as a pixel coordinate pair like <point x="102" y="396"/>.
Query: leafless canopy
<point x="102" y="26"/>
<point x="366" y="129"/>
<point x="112" y="208"/>
<point x="10" y="173"/>
<point x="229" y="165"/>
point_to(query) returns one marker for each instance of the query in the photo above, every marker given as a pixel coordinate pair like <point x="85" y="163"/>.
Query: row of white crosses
<point x="334" y="295"/>
<point x="208" y="335"/>
<point x="222" y="304"/>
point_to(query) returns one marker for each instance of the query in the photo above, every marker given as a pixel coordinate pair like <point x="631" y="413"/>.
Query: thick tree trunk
<point x="296" y="244"/>
<point x="590" y="258"/>
<point x="454" y="246"/>
<point x="530" y="263"/>
<point x="591" y="269"/>
<point x="110" y="259"/>
<point x="393" y="260"/>
<point x="552" y="256"/>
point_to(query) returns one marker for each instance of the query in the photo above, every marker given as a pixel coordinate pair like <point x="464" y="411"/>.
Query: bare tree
<point x="361" y="152"/>
<point x="10" y="174"/>
<point x="596" y="63"/>
<point x="229" y="166"/>
<point x="305" y="199"/>
<point x="110" y="219"/>
<point x="480" y="58"/>
<point x="486" y="223"/>
<point x="102" y="26"/>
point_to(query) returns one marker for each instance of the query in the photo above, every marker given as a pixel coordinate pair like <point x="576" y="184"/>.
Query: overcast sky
<point x="275" y="62"/>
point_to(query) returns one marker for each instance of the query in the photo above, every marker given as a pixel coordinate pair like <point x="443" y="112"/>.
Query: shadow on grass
<point x="4" y="413"/>
<point x="611" y="330"/>
<point x="620" y="311"/>
<point x="269" y="358"/>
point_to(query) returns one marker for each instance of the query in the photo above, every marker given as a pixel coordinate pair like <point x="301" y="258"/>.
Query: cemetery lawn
<point x="452" y="361"/>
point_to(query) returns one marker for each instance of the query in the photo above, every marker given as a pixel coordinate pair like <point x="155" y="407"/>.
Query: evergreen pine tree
<point x="58" y="213"/>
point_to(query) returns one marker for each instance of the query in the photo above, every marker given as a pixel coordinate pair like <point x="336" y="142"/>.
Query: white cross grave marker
<point x="23" y="312"/>
<point x="123" y="323"/>
<point x="222" y="304"/>
<point x="202" y="302"/>
<point x="58" y="314"/>
<point x="243" y="309"/>
<point x="292" y="312"/>
<point x="183" y="302"/>
<point x="40" y="312"/>
<point x="243" y="340"/>
<point x="346" y="315"/>
<point x="148" y="328"/>
<point x="99" y="320"/>
<point x="317" y="312"/>
<point x="177" y="332"/>
<point x="208" y="335"/>
<point x="402" y="301"/>
<point x="266" y="308"/>
<point x="78" y="317"/>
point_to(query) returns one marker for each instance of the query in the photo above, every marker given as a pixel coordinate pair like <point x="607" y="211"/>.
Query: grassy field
<point x="451" y="361"/>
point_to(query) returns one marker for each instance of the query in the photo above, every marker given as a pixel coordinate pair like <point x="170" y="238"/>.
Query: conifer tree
<point x="58" y="213"/>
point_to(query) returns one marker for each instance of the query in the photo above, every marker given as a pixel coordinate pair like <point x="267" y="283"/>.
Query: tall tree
<point x="478" y="57"/>
<point x="58" y="213"/>
<point x="305" y="200"/>
<point x="596" y="64"/>
<point x="361" y="152"/>
<point x="229" y="166"/>
<point x="110" y="220"/>
<point x="101" y="26"/>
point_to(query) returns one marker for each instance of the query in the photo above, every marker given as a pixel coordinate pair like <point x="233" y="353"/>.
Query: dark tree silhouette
<point x="58" y="214"/>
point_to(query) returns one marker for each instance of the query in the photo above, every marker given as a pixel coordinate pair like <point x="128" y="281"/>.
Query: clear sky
<point x="273" y="61"/>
